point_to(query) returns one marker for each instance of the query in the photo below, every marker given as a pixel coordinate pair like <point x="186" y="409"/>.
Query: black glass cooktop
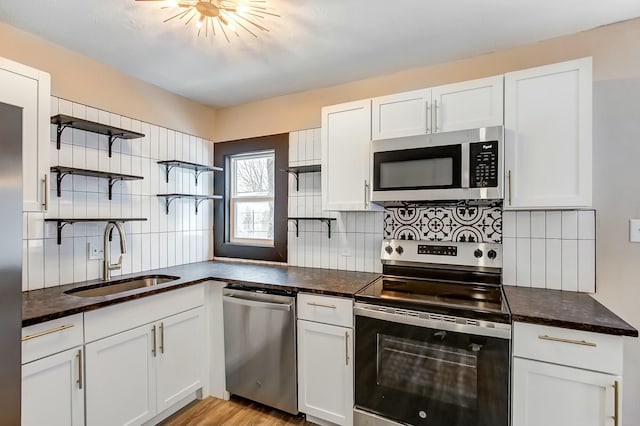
<point x="463" y="299"/>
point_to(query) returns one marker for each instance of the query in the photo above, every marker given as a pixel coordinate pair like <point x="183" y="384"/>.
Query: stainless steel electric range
<point x="432" y="337"/>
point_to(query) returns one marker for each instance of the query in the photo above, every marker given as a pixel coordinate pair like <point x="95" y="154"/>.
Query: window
<point x="252" y="185"/>
<point x="251" y="221"/>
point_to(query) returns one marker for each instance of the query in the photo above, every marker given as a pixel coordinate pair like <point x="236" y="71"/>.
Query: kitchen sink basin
<point x="115" y="287"/>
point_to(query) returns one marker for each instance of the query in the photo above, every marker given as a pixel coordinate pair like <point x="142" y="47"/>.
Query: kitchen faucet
<point x="107" y="267"/>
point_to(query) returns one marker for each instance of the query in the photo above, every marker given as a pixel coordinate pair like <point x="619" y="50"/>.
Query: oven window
<point x="449" y="374"/>
<point x="428" y="172"/>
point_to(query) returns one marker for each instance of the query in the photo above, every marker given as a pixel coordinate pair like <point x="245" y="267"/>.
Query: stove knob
<point x="399" y="250"/>
<point x="492" y="254"/>
<point x="478" y="253"/>
<point x="388" y="249"/>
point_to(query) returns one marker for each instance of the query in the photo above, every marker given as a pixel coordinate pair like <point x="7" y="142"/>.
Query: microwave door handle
<point x="465" y="165"/>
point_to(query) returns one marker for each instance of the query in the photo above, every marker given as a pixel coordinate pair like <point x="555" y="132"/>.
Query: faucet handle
<point x="115" y="266"/>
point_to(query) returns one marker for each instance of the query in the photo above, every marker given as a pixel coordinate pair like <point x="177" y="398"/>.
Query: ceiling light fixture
<point x="223" y="15"/>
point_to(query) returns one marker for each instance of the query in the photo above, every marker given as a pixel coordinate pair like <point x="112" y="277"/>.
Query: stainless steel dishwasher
<point x="260" y="346"/>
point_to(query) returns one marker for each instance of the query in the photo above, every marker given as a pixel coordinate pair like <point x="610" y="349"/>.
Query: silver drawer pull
<point x="321" y="305"/>
<point x="575" y="342"/>
<point x="44" y="333"/>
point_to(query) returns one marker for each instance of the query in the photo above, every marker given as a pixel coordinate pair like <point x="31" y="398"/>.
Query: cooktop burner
<point x="463" y="284"/>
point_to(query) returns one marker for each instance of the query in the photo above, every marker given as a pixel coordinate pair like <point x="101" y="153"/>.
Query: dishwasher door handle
<point x="258" y="304"/>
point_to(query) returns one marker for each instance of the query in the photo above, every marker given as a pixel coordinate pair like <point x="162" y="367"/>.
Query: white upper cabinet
<point x="548" y="127"/>
<point x="30" y="90"/>
<point x="459" y="106"/>
<point x="346" y="148"/>
<point x="402" y="114"/>
<point x="467" y="105"/>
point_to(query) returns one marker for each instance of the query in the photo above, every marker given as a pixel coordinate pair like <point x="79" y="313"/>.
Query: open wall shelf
<point x="168" y="198"/>
<point x="326" y="220"/>
<point x="198" y="169"/>
<point x="62" y="222"/>
<point x="295" y="171"/>
<point x="64" y="121"/>
<point x="113" y="177"/>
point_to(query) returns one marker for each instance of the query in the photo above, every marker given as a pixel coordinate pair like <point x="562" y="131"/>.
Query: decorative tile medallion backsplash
<point x="459" y="223"/>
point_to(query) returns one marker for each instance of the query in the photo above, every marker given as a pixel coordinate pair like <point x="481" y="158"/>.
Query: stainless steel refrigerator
<point x="10" y="262"/>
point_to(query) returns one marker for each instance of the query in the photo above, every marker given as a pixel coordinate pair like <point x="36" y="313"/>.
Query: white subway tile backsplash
<point x="570" y="265"/>
<point x="509" y="224"/>
<point x="569" y="225"/>
<point x="152" y="244"/>
<point x="538" y="224"/>
<point x="523" y="224"/>
<point x="554" y="264"/>
<point x="553" y="222"/>
<point x="538" y="263"/>
<point x="523" y="261"/>
<point x="587" y="225"/>
<point x="587" y="266"/>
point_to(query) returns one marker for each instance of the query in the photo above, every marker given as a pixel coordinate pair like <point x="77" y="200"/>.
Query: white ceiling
<point x="315" y="43"/>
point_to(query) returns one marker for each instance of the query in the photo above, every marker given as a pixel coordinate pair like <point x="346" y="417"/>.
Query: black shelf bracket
<point x="59" y="131"/>
<point x="111" y="182"/>
<point x="326" y="220"/>
<point x="59" y="178"/>
<point x="168" y="168"/>
<point x="295" y="174"/>
<point x="296" y="170"/>
<point x="112" y="139"/>
<point x="60" y="225"/>
<point x="167" y="202"/>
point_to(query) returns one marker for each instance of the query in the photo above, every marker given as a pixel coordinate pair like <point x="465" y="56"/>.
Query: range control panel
<point x="448" y="253"/>
<point x="483" y="164"/>
<point x="438" y="250"/>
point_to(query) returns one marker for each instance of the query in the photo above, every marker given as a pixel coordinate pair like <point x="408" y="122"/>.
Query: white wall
<point x="356" y="237"/>
<point x="163" y="240"/>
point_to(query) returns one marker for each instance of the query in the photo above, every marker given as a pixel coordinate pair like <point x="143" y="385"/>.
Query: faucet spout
<point x="107" y="266"/>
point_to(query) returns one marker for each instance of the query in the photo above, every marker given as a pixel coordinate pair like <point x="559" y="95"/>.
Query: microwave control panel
<point x="483" y="164"/>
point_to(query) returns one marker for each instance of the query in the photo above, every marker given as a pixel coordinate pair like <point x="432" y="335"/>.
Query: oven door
<point x="429" y="376"/>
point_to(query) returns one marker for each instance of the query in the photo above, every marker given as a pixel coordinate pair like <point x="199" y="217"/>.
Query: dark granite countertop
<point x="578" y="311"/>
<point x="51" y="303"/>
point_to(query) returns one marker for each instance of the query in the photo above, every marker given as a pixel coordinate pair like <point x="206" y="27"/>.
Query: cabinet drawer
<point x="575" y="348"/>
<point x="126" y="316"/>
<point x="326" y="309"/>
<point x="51" y="337"/>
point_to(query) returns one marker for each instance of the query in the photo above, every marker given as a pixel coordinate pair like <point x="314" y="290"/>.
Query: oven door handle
<point x="464" y="165"/>
<point x="499" y="330"/>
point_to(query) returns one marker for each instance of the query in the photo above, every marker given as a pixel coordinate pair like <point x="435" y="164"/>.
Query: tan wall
<point x="81" y="79"/>
<point x="614" y="48"/>
<point x="616" y="57"/>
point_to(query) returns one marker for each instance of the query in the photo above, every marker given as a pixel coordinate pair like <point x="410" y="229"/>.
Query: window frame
<point x="223" y="246"/>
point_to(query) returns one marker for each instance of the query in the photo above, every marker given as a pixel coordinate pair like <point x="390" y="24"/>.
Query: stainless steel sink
<point x="114" y="287"/>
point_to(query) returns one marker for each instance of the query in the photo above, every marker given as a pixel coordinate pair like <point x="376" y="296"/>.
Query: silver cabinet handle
<point x="257" y="303"/>
<point x="321" y="305"/>
<point x="435" y="113"/>
<point x="366" y="194"/>
<point x="44" y="333"/>
<point x="45" y="196"/>
<point x="509" y="174"/>
<point x="346" y="348"/>
<point x="79" y="356"/>
<point x="616" y="402"/>
<point x="161" y="337"/>
<point x="574" y="342"/>
<point x="428" y="117"/>
<point x="153" y="347"/>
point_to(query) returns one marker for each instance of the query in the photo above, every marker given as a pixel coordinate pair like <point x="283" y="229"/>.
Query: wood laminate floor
<point x="237" y="411"/>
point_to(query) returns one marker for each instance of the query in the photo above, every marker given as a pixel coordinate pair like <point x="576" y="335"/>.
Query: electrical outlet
<point x="95" y="251"/>
<point x="634" y="230"/>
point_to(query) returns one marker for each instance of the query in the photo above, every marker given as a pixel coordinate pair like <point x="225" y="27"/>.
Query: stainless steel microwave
<point x="463" y="165"/>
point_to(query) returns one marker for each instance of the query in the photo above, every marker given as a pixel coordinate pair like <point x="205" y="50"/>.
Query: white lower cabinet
<point x="135" y="375"/>
<point x="325" y="358"/>
<point x="549" y="394"/>
<point x="52" y="390"/>
<point x="564" y="377"/>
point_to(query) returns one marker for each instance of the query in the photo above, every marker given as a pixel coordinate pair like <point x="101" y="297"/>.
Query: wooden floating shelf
<point x="64" y="121"/>
<point x="326" y="220"/>
<point x="297" y="170"/>
<point x="62" y="222"/>
<point x="113" y="177"/>
<point x="168" y="198"/>
<point x="198" y="169"/>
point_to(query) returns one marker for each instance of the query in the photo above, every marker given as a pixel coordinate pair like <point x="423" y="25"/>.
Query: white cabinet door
<point x="52" y="390"/>
<point x="121" y="378"/>
<point x="30" y="90"/>
<point x="346" y="149"/>
<point x="180" y="357"/>
<point x="548" y="127"/>
<point x="325" y="372"/>
<point x="467" y="105"/>
<point x="401" y="114"/>
<point x="549" y="394"/>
